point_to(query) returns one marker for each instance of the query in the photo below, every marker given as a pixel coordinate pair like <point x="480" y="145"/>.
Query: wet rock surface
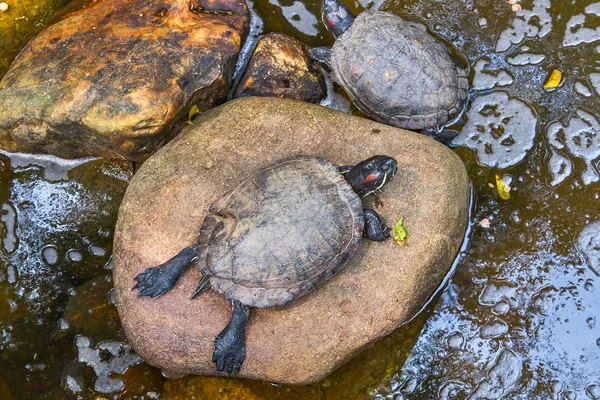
<point x="282" y="67"/>
<point x="382" y="286"/>
<point x="115" y="78"/>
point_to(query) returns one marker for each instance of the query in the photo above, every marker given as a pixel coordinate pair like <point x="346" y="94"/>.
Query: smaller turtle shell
<point x="397" y="73"/>
<point x="284" y="231"/>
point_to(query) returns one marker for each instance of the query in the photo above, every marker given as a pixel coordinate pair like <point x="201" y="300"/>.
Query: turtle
<point x="275" y="237"/>
<point x="394" y="70"/>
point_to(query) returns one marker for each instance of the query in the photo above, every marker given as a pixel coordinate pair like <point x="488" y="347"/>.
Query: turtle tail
<point x="202" y="286"/>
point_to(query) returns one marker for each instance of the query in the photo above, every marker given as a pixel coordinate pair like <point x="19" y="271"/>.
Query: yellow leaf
<point x="400" y="234"/>
<point x="553" y="80"/>
<point x="193" y="111"/>
<point x="503" y="188"/>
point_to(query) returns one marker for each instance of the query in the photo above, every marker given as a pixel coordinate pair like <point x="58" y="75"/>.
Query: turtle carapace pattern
<point x="394" y="70"/>
<point x="275" y="237"/>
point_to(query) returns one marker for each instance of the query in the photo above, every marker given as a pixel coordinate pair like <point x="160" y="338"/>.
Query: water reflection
<point x="299" y="17"/>
<point x="534" y="23"/>
<point x="581" y="27"/>
<point x="519" y="318"/>
<point x="56" y="224"/>
<point x="500" y="129"/>
<point x="579" y="138"/>
<point x="588" y="243"/>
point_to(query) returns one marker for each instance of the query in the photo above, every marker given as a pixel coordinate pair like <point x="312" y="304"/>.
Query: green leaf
<point x="400" y="234"/>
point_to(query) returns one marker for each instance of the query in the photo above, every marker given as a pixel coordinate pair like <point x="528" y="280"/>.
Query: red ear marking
<point x="330" y="22"/>
<point x="370" y="178"/>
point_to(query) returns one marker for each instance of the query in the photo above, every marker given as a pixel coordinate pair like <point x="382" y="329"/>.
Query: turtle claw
<point x="154" y="282"/>
<point x="228" y="359"/>
<point x="157" y="280"/>
<point x="230" y="344"/>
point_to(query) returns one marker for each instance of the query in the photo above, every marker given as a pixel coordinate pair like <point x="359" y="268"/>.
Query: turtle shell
<point x="285" y="230"/>
<point x="397" y="73"/>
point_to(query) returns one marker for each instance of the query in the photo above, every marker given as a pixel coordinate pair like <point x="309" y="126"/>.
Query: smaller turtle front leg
<point x="157" y="280"/>
<point x="444" y="136"/>
<point x="321" y="54"/>
<point x="375" y="229"/>
<point x="230" y="344"/>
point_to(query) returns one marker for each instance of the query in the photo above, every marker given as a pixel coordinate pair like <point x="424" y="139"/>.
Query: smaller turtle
<point x="394" y="70"/>
<point x="275" y="237"/>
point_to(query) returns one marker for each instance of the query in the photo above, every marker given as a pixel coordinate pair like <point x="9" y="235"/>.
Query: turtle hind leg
<point x="375" y="229"/>
<point x="157" y="280"/>
<point x="230" y="344"/>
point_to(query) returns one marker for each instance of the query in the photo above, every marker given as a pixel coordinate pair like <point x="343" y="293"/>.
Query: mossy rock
<point x="117" y="78"/>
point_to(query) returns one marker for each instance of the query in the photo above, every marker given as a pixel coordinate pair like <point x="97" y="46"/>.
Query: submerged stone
<point x="382" y="286"/>
<point x="89" y="311"/>
<point x="281" y="67"/>
<point x="117" y="77"/>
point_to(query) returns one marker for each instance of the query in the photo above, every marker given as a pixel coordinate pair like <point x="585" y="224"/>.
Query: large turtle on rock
<point x="275" y="237"/>
<point x="394" y="70"/>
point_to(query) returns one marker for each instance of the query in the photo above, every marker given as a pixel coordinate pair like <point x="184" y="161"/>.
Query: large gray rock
<point x="383" y="286"/>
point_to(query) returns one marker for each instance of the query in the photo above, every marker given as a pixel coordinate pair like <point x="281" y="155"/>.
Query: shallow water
<point x="20" y="22"/>
<point x="520" y="318"/>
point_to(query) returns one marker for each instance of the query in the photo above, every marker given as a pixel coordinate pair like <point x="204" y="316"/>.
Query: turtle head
<point x="336" y="17"/>
<point x="371" y="174"/>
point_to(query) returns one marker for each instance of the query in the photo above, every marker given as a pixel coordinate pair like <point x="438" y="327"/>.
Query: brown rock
<point x="115" y="78"/>
<point x="281" y="67"/>
<point x="382" y="286"/>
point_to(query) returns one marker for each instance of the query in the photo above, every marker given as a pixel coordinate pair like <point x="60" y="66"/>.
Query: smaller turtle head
<point x="336" y="17"/>
<point x="372" y="174"/>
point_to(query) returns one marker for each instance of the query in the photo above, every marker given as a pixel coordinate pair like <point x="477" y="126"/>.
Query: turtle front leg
<point x="322" y="55"/>
<point x="444" y="136"/>
<point x="375" y="229"/>
<point x="157" y="280"/>
<point x="230" y="344"/>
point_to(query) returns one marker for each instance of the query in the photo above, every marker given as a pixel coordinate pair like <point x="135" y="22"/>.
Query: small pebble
<point x="3" y="6"/>
<point x="482" y="22"/>
<point x="516" y="7"/>
<point x="485" y="223"/>
<point x="513" y="1"/>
